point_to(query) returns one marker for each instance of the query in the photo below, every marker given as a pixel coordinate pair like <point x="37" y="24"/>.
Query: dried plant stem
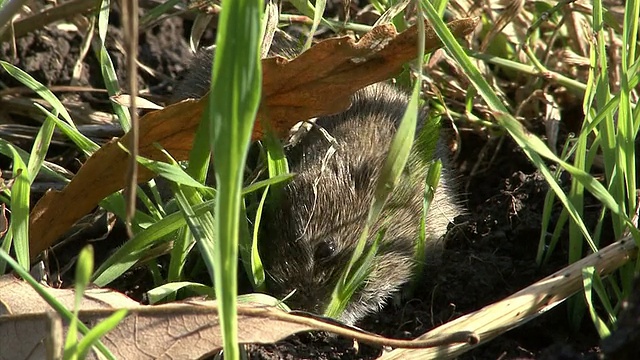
<point x="495" y="319"/>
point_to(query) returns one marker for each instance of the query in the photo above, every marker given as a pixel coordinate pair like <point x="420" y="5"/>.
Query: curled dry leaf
<point x="318" y="82"/>
<point x="18" y="298"/>
<point x="186" y="330"/>
<point x="172" y="331"/>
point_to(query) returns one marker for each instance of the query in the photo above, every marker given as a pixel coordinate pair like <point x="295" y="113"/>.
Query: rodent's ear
<point x="324" y="250"/>
<point x="363" y="175"/>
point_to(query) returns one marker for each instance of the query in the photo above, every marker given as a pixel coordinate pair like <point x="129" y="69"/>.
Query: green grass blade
<point x="7" y="241"/>
<point x="106" y="66"/>
<point x="154" y="13"/>
<point x="393" y="11"/>
<point x="626" y="128"/>
<point x="20" y="193"/>
<point x="163" y="291"/>
<point x="276" y="159"/>
<point x="40" y="148"/>
<point x="431" y="184"/>
<point x="307" y="9"/>
<point x="317" y="17"/>
<point x="182" y="246"/>
<point x="630" y="32"/>
<point x="84" y="268"/>
<point x="257" y="269"/>
<point x="199" y="161"/>
<point x="202" y="226"/>
<point x="588" y="275"/>
<point x="82" y="142"/>
<point x="48" y="169"/>
<point x="278" y="179"/>
<point x="545" y="250"/>
<point x="40" y="89"/>
<point x="172" y="172"/>
<point x="200" y="154"/>
<point x="233" y="105"/>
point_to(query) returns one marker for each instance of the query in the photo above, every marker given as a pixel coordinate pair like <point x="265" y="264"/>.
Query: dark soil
<point x="489" y="251"/>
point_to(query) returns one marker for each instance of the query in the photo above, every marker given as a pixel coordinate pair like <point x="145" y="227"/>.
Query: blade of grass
<point x="318" y="11"/>
<point x="431" y="184"/>
<point x="40" y="148"/>
<point x="278" y="179"/>
<point x="626" y="129"/>
<point x="84" y="268"/>
<point x="106" y="65"/>
<point x="601" y="95"/>
<point x="202" y="226"/>
<point x="35" y="161"/>
<point x="235" y="85"/>
<point x="8" y="10"/>
<point x="20" y="192"/>
<point x="28" y="81"/>
<point x="82" y="142"/>
<point x="276" y="159"/>
<point x="545" y="250"/>
<point x="389" y="14"/>
<point x="588" y="275"/>
<point x="172" y="172"/>
<point x="256" y="269"/>
<point x="199" y="161"/>
<point x="154" y="13"/>
<point x="306" y="8"/>
<point x="48" y="169"/>
<point x="157" y="294"/>
<point x="278" y="168"/>
<point x="200" y="25"/>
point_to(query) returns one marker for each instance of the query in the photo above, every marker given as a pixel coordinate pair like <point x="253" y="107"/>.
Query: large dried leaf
<point x="185" y="330"/>
<point x="318" y="82"/>
<point x="17" y="297"/>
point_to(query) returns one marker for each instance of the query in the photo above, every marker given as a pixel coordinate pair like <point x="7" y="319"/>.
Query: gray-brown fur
<point x="308" y="236"/>
<point x="326" y="205"/>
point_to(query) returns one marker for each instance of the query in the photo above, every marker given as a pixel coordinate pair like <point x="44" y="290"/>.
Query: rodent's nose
<point x="307" y="300"/>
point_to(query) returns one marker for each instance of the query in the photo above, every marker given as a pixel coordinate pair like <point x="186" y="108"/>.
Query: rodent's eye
<point x="324" y="250"/>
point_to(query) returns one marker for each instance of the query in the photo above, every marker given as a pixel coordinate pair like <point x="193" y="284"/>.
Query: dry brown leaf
<point x="174" y="331"/>
<point x="318" y="82"/>
<point x="186" y="330"/>
<point x="18" y="297"/>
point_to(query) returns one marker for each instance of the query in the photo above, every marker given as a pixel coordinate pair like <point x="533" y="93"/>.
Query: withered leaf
<point x="180" y="330"/>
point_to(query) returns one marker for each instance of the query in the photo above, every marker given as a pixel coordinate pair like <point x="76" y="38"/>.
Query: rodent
<point x="307" y="237"/>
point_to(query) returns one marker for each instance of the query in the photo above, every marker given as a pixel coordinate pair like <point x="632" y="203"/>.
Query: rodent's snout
<point x="305" y="299"/>
<point x="304" y="291"/>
